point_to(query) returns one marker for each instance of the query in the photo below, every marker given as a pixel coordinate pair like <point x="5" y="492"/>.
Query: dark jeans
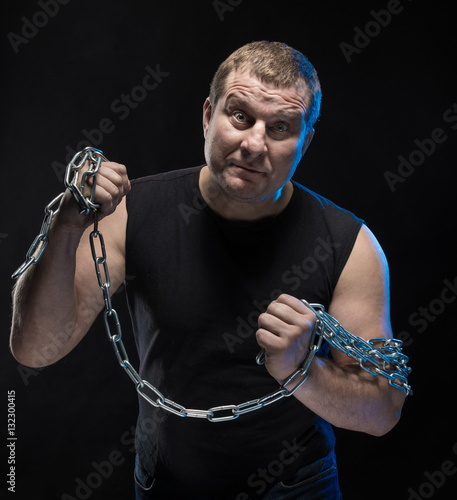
<point x="317" y="481"/>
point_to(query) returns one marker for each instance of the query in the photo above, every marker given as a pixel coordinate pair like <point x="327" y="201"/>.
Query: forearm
<point x="56" y="301"/>
<point x="45" y="304"/>
<point x="349" y="397"/>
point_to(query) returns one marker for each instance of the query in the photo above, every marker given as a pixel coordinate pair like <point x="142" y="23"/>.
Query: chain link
<point x="77" y="183"/>
<point x="377" y="356"/>
<point x="39" y="244"/>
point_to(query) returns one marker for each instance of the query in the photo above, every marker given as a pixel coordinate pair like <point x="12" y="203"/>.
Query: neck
<point x="239" y="211"/>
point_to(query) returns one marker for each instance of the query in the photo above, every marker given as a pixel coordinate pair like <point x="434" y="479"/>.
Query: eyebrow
<point x="238" y="99"/>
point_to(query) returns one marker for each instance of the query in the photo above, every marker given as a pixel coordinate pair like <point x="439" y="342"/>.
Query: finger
<point x="269" y="341"/>
<point x="114" y="172"/>
<point x="272" y="323"/>
<point x="114" y="167"/>
<point x="110" y="181"/>
<point x="281" y="344"/>
<point x="105" y="199"/>
<point x="296" y="304"/>
<point x="298" y="315"/>
<point x="112" y="184"/>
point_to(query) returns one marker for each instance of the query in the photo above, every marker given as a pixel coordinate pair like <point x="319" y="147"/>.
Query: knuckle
<point x="284" y="298"/>
<point x="273" y="307"/>
<point x="262" y="318"/>
<point x="304" y="324"/>
<point x="120" y="168"/>
<point x="115" y="192"/>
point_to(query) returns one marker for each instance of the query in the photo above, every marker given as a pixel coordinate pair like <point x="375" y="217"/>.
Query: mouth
<point x="247" y="169"/>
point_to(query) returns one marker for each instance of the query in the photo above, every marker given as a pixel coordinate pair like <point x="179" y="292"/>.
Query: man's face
<point x="255" y="137"/>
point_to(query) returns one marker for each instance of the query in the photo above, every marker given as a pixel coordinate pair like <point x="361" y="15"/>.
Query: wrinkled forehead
<point x="243" y="84"/>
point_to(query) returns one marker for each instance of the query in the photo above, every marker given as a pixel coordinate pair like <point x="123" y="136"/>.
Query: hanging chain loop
<point x="377" y="356"/>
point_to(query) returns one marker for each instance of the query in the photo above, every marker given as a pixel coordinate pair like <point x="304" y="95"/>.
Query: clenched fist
<point x="112" y="184"/>
<point x="284" y="332"/>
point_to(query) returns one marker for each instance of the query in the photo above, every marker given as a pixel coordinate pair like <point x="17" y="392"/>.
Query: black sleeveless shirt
<point x="196" y="285"/>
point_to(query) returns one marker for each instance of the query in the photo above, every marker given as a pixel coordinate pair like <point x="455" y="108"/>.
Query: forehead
<point x="245" y="87"/>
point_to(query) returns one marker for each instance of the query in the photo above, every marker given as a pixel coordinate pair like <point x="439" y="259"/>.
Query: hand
<point x="284" y="332"/>
<point x="112" y="185"/>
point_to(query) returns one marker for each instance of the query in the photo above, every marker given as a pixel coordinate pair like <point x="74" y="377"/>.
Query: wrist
<point x="70" y="226"/>
<point x="299" y="376"/>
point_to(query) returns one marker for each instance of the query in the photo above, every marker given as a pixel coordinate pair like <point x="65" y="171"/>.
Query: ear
<point x="207" y="113"/>
<point x="307" y="141"/>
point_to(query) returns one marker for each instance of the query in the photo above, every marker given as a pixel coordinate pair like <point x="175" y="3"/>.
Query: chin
<point x="245" y="194"/>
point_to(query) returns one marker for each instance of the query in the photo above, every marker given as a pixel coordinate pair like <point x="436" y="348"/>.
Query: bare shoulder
<point x="366" y="262"/>
<point x="361" y="298"/>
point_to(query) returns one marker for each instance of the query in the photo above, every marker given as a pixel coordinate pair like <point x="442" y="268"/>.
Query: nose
<point x="254" y="140"/>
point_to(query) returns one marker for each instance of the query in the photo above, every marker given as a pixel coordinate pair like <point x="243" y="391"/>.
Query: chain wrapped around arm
<point x="378" y="356"/>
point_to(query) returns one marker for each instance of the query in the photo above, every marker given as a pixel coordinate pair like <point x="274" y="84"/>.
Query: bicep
<point x="361" y="298"/>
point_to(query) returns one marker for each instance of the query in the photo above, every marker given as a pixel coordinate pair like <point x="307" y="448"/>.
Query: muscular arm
<point x="339" y="390"/>
<point x="56" y="301"/>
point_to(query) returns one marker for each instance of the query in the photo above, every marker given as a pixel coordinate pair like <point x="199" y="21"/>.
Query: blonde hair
<point x="274" y="63"/>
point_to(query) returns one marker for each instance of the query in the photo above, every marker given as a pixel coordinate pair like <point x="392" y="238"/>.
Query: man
<point x="214" y="284"/>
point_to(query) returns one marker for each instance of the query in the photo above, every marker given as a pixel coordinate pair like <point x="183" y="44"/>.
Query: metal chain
<point x="86" y="205"/>
<point x="95" y="158"/>
<point x="377" y="356"/>
<point x="39" y="244"/>
<point x="149" y="392"/>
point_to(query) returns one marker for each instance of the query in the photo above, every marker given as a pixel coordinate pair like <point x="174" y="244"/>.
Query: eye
<point x="280" y="127"/>
<point x="239" y="116"/>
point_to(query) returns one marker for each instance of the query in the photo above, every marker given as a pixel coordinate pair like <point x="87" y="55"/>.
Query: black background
<point x="379" y="102"/>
